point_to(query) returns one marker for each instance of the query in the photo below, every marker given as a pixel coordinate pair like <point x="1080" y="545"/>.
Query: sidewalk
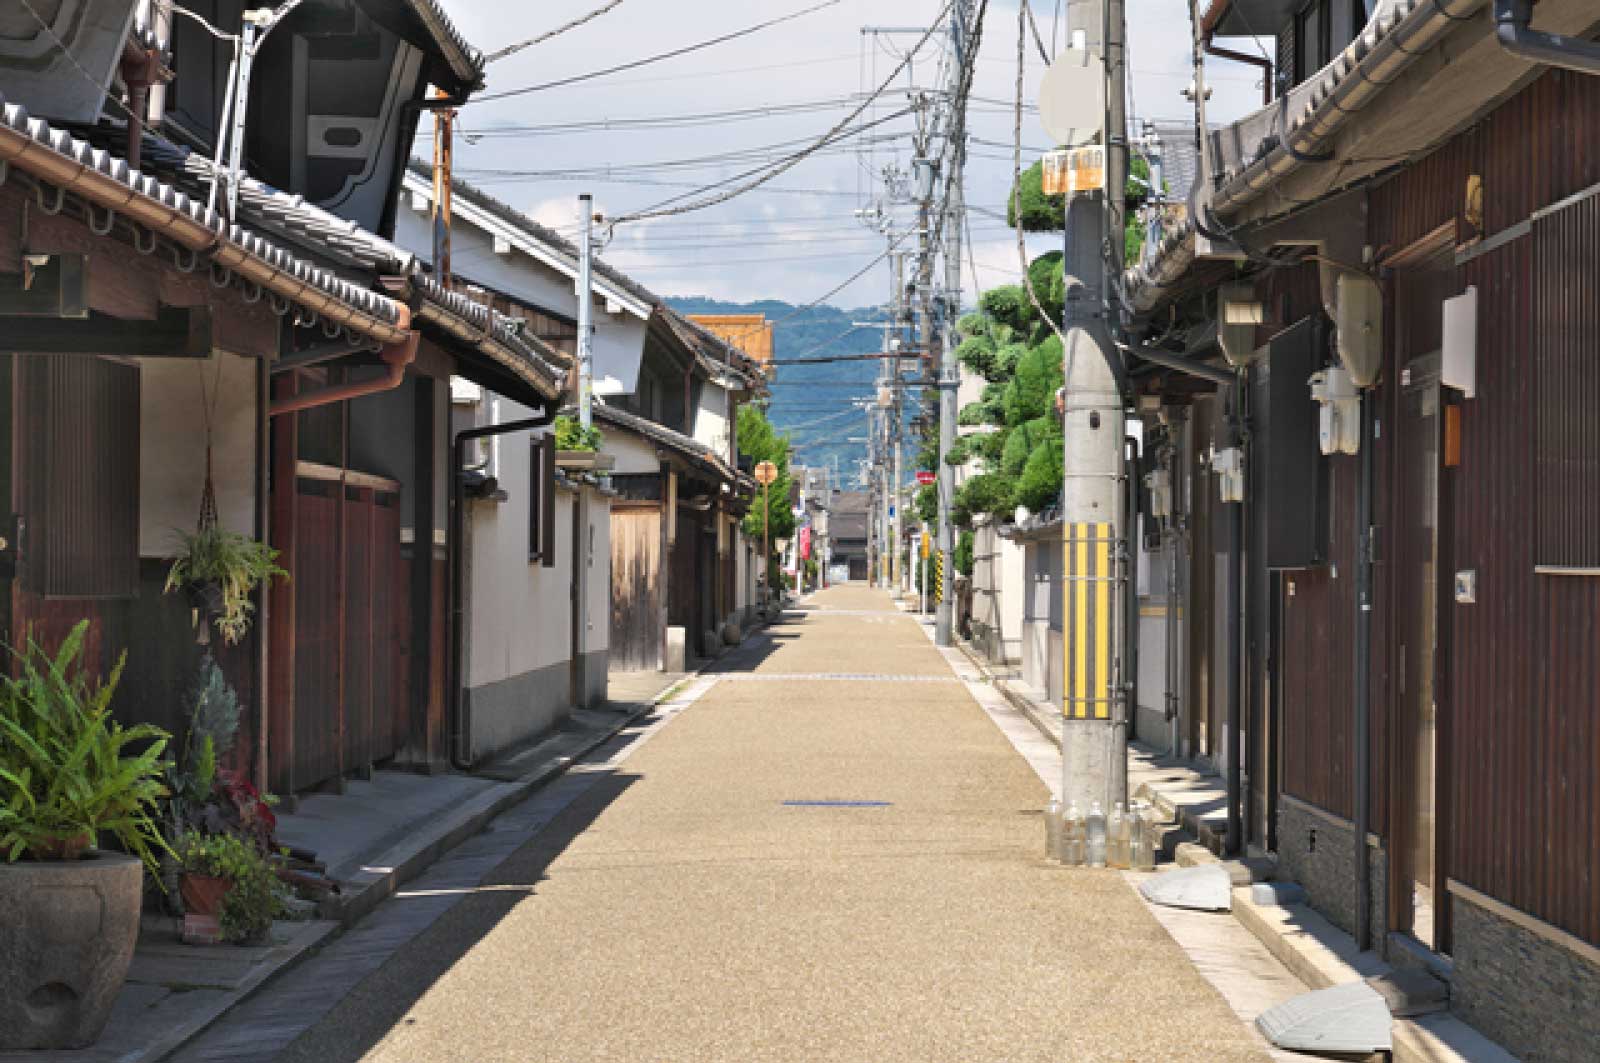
<point x="1269" y="951"/>
<point x="374" y="837"/>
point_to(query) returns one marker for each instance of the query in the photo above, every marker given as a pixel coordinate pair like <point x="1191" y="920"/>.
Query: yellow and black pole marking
<point x="1090" y="580"/>
<point x="938" y="576"/>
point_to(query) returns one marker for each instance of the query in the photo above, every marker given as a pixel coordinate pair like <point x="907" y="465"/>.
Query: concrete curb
<point x="305" y="941"/>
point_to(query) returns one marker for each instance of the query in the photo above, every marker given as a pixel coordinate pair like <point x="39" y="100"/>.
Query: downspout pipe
<point x="460" y="711"/>
<point x="1363" y="676"/>
<point x="1235" y="841"/>
<point x="1133" y="451"/>
<point x="396" y="357"/>
<point x="1513" y="29"/>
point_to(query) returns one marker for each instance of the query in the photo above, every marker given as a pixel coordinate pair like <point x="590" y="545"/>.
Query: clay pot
<point x="69" y="936"/>
<point x="202" y="894"/>
<point x="61" y="848"/>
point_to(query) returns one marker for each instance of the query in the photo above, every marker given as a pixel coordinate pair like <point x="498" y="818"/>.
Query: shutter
<point x="78" y="461"/>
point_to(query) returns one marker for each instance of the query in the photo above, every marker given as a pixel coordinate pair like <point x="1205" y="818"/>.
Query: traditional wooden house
<point x="1384" y="300"/>
<point x="297" y="357"/>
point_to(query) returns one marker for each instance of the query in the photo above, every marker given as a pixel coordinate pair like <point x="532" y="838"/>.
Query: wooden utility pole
<point x="443" y="128"/>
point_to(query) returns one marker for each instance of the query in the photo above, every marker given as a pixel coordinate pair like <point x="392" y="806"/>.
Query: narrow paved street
<point x="833" y="854"/>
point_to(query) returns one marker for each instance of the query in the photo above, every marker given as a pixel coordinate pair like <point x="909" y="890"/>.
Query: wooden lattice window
<point x="78" y="469"/>
<point x="1566" y="417"/>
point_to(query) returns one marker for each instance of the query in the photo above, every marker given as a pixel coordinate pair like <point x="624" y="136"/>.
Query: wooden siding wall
<point x="1525" y="801"/>
<point x="1318" y="606"/>
<point x="636" y="574"/>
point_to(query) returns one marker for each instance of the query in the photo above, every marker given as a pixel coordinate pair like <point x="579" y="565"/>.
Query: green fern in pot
<point x="68" y="770"/>
<point x="221" y="569"/>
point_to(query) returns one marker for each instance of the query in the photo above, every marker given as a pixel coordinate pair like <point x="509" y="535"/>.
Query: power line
<point x="558" y="31"/>
<point x="831" y="135"/>
<point x="658" y="58"/>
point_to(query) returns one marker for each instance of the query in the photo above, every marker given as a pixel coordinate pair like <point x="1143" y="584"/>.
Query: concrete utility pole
<point x="949" y="372"/>
<point x="1094" y="733"/>
<point x="585" y="310"/>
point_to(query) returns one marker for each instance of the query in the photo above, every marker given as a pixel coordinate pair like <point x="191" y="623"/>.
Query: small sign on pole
<point x="925" y="477"/>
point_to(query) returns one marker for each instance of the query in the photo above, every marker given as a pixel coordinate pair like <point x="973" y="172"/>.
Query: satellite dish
<point x="1072" y="98"/>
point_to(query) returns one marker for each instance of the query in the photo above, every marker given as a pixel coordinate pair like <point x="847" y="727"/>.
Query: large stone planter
<point x="66" y="941"/>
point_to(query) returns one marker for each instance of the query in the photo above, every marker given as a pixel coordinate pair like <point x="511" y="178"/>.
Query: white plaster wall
<point x="632" y="454"/>
<point x="618" y="338"/>
<point x="711" y="418"/>
<point x="521" y="615"/>
<point x="172" y="446"/>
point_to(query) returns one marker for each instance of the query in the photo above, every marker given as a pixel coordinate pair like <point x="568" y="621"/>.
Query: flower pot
<point x="202" y="894"/>
<point x="202" y="904"/>
<point x="61" y="848"/>
<point x="70" y="928"/>
<point x="206" y="598"/>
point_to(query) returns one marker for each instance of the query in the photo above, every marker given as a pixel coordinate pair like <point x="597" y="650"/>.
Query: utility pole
<point x="585" y="311"/>
<point x="443" y="144"/>
<point x="949" y="374"/>
<point x="1094" y="566"/>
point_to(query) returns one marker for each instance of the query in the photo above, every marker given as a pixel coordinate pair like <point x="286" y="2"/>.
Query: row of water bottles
<point x="1125" y="839"/>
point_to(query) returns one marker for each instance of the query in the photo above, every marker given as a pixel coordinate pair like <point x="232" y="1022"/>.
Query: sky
<point x="800" y="237"/>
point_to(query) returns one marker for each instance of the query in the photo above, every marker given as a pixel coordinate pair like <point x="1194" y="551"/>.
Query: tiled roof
<point x="332" y="243"/>
<point x="673" y="440"/>
<point x="711" y="349"/>
<point x="543" y="233"/>
<point x="37" y="147"/>
<point x="298" y="221"/>
<point x="465" y="60"/>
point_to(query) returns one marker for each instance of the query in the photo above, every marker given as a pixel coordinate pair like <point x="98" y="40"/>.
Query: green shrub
<point x="66" y="770"/>
<point x="973" y="414"/>
<point x="1039" y="486"/>
<point x="981" y="495"/>
<point x="1039" y="213"/>
<point x="257" y="897"/>
<point x="571" y="435"/>
<point x="1032" y="392"/>
<point x="1010" y="306"/>
<point x="963" y="553"/>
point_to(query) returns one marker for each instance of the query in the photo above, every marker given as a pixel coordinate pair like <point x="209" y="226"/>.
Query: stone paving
<point x="839" y="865"/>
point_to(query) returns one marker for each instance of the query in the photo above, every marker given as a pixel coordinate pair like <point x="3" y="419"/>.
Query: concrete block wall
<point x="1530" y="992"/>
<point x="1316" y="849"/>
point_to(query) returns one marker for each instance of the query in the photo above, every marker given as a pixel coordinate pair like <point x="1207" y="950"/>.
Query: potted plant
<point x="68" y="774"/>
<point x="220" y="569"/>
<point x="230" y="891"/>
<point x="577" y="447"/>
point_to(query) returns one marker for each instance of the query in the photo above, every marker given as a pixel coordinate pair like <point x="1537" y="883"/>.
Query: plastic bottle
<point x="1052" y="829"/>
<point x="1144" y="839"/>
<point x="1117" y="838"/>
<point x="1072" y="837"/>
<point x="1095" y="836"/>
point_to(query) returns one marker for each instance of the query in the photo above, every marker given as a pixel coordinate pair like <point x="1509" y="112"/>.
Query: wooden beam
<point x="175" y="333"/>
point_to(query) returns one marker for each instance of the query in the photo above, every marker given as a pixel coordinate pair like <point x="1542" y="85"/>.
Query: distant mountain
<point x="813" y="402"/>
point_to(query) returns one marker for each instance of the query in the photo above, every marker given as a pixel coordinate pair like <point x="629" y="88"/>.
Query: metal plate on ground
<point x="1208" y="888"/>
<point x="1350" y="1018"/>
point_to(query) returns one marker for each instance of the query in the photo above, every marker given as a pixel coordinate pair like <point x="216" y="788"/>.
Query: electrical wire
<point x="657" y="58"/>
<point x="663" y="210"/>
<point x="558" y="31"/>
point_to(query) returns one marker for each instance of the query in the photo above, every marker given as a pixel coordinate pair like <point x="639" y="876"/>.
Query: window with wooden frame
<point x="542" y="501"/>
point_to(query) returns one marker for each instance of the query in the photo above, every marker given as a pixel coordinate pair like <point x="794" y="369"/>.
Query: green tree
<point x="1038" y="212"/>
<point x="759" y="442"/>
